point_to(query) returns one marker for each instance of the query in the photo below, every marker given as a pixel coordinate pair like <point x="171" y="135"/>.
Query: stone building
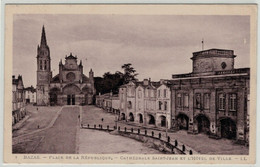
<point x="18" y="99"/>
<point x="127" y="101"/>
<point x="163" y="104"/>
<point x="213" y="98"/>
<point x="146" y="103"/>
<point x="30" y="95"/>
<point x="109" y="102"/>
<point x="69" y="87"/>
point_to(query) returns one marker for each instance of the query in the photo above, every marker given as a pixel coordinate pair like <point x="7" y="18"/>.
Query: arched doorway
<point x="203" y="124"/>
<point x="122" y="116"/>
<point x="183" y="121"/>
<point x="131" y="117"/>
<point x="54" y="96"/>
<point x="163" y="121"/>
<point x="151" y="120"/>
<point x="140" y="118"/>
<point x="228" y="128"/>
<point x="71" y="91"/>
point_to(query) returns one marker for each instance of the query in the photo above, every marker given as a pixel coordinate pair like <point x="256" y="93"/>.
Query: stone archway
<point x="71" y="90"/>
<point x="228" y="128"/>
<point x="122" y="116"/>
<point x="140" y="116"/>
<point x="163" y="121"/>
<point x="151" y="119"/>
<point x="54" y="96"/>
<point x="203" y="124"/>
<point x="183" y="121"/>
<point x="131" y="117"/>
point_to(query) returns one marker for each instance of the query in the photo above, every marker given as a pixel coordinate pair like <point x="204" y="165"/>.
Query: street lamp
<point x="166" y="129"/>
<point x="116" y="121"/>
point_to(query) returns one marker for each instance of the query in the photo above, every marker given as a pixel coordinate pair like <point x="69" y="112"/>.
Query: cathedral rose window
<point x="70" y="76"/>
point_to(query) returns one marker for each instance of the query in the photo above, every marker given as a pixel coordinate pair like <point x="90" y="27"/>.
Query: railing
<point x="234" y="71"/>
<point x="171" y="144"/>
<point x="214" y="52"/>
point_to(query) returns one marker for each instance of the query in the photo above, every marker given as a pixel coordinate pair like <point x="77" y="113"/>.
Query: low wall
<point x="166" y="146"/>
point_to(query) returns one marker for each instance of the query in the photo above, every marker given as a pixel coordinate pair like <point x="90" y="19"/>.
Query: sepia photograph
<point x="93" y="85"/>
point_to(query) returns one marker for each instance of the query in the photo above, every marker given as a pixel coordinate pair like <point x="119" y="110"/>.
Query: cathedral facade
<point x="69" y="87"/>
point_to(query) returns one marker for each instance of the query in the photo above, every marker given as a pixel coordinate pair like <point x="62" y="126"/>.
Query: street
<point x="65" y="135"/>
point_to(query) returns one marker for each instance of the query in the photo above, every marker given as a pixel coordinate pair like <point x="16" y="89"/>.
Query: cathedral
<point x="69" y="87"/>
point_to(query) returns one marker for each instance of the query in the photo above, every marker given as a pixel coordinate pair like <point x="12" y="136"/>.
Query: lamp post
<point x="166" y="129"/>
<point x="116" y="121"/>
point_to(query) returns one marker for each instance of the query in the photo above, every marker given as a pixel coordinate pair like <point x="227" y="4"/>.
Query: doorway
<point x="68" y="99"/>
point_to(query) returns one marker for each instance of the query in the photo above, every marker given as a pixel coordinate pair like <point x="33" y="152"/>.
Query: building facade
<point x="30" y="95"/>
<point x="213" y="98"/>
<point x="163" y="105"/>
<point x="18" y="99"/>
<point x="140" y="103"/>
<point x="69" y="87"/>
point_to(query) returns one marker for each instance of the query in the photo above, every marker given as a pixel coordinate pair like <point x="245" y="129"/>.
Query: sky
<point x="156" y="45"/>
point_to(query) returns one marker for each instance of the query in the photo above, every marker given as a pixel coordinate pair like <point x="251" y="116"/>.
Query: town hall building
<point x="69" y="87"/>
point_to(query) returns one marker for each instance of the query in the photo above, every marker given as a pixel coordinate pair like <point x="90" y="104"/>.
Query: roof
<point x="214" y="53"/>
<point x="71" y="57"/>
<point x="31" y="88"/>
<point x="56" y="79"/>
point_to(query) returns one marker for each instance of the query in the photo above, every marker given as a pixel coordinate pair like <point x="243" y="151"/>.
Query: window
<point x="159" y="93"/>
<point x="198" y="100"/>
<point x="165" y="105"/>
<point x="129" y="104"/>
<point x="139" y="93"/>
<point x="179" y="100"/>
<point x="146" y="93"/>
<point x="221" y="101"/>
<point x="233" y="102"/>
<point x="165" y="93"/>
<point x="139" y="105"/>
<point x="206" y="101"/>
<point x="132" y="91"/>
<point x="45" y="64"/>
<point x="160" y="105"/>
<point x="152" y="93"/>
<point x="40" y="65"/>
<point x="186" y="100"/>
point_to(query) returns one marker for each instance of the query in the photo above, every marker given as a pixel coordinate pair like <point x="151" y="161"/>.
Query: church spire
<point x="43" y="39"/>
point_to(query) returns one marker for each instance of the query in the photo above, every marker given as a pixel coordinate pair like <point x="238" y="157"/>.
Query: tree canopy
<point x="112" y="81"/>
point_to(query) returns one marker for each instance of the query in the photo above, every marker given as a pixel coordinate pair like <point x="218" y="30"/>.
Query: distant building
<point x="18" y="99"/>
<point x="69" y="87"/>
<point x="108" y="102"/>
<point x="213" y="98"/>
<point x="30" y="95"/>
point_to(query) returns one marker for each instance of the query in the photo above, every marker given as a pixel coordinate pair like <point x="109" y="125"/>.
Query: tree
<point x="129" y="73"/>
<point x="111" y="82"/>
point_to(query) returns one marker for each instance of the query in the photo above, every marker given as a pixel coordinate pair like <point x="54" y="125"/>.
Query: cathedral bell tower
<point x="44" y="73"/>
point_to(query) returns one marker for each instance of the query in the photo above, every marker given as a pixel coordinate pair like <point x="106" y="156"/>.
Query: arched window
<point x="40" y="64"/>
<point x="160" y="105"/>
<point x="45" y="64"/>
<point x="165" y="105"/>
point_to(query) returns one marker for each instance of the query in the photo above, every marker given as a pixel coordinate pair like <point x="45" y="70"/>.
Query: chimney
<point x="162" y="81"/>
<point x="146" y="82"/>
